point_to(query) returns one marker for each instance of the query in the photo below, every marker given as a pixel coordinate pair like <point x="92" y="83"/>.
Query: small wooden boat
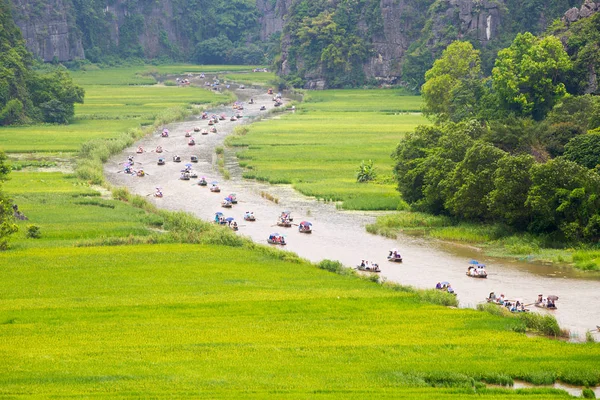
<point x="140" y="150"/>
<point x="202" y="182"/>
<point x="233" y="198"/>
<point x="188" y="133"/>
<point x="176" y="159"/>
<point x="233" y="118"/>
<point x="276" y="238"/>
<point x="196" y="129"/>
<point x="161" y="161"/>
<point x="194" y="159"/>
<point x="185" y="176"/>
<point x="476" y="270"/>
<point x="263" y="108"/>
<point x="165" y="133"/>
<point x="284" y="223"/>
<point x="193" y="175"/>
<point x="215" y="188"/>
<point x="445" y="287"/>
<point x="305" y="227"/>
<point x="213" y="129"/>
<point x="226" y="204"/>
<point x="191" y="142"/>
<point x="211" y="122"/>
<point x="140" y="173"/>
<point x="204" y="132"/>
<point x="234" y="227"/>
<point x="270" y="91"/>
<point x="394" y="256"/>
<point x="239" y="115"/>
<point x="371" y="268"/>
<point x="249" y="217"/>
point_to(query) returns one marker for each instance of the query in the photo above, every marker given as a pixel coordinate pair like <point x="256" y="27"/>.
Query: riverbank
<point x="490" y="240"/>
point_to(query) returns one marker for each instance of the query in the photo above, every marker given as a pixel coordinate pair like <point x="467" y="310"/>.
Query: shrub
<point x="33" y="232"/>
<point x="366" y="172"/>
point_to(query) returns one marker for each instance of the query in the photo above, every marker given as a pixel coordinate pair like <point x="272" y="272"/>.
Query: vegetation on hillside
<point x="27" y="95"/>
<point x="513" y="148"/>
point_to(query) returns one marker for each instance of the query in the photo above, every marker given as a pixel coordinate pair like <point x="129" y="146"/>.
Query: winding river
<point x="341" y="235"/>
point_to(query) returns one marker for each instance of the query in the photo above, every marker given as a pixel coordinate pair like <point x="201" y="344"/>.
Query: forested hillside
<point x="26" y="95"/>
<point x="518" y="146"/>
<point x="316" y="43"/>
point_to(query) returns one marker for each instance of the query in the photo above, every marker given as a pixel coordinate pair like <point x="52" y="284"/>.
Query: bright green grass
<point x="252" y="78"/>
<point x="107" y="112"/>
<point x="68" y="212"/>
<point x="319" y="148"/>
<point x="145" y="74"/>
<point x="188" y="320"/>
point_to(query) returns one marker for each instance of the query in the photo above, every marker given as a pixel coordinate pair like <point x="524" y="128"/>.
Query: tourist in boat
<point x="140" y="149"/>
<point x="492" y="296"/>
<point x="449" y="289"/>
<point x="438" y="285"/>
<point x="158" y="192"/>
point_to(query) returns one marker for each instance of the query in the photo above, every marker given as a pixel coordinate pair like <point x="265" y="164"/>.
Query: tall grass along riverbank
<point x="318" y="148"/>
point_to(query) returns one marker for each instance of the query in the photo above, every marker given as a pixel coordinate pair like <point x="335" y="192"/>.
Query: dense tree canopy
<point x="520" y="151"/>
<point x="529" y="75"/>
<point x="7" y="225"/>
<point x="26" y="95"/>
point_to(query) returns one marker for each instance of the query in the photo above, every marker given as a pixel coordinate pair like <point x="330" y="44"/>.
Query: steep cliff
<point x="48" y="28"/>
<point x="407" y="35"/>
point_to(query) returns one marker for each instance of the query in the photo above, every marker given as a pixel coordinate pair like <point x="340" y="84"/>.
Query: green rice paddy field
<point x="192" y="320"/>
<point x="119" y="299"/>
<point x="319" y="148"/>
<point x="113" y="104"/>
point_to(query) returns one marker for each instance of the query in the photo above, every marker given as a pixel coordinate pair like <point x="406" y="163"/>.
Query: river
<point x="341" y="235"/>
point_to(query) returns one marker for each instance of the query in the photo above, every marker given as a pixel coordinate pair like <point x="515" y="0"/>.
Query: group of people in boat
<point x="368" y="266"/>
<point x="511" y="305"/>
<point x="445" y="286"/>
<point x="546" y="302"/>
<point x="477" y="271"/>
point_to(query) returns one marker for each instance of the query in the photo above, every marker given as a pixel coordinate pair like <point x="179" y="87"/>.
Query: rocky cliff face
<point x="271" y="16"/>
<point x="48" y="29"/>
<point x="425" y="27"/>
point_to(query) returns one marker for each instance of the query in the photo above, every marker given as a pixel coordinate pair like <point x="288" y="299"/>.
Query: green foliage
<point x="33" y="232"/>
<point x="585" y="150"/>
<point x="26" y="95"/>
<point x="325" y="37"/>
<point x="453" y="87"/>
<point x="529" y="75"/>
<point x="366" y="172"/>
<point x="7" y="225"/>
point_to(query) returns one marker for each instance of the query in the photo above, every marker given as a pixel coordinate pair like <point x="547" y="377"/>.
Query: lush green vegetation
<point x="320" y="146"/>
<point x="514" y="149"/>
<point x="112" y="107"/>
<point x="253" y="78"/>
<point x="152" y="315"/>
<point x="27" y="95"/>
<point x="217" y="31"/>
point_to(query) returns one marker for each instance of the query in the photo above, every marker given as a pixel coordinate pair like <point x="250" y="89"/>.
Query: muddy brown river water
<point x="341" y="235"/>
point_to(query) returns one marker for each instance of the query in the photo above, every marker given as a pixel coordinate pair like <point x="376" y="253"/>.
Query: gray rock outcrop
<point x="48" y="29"/>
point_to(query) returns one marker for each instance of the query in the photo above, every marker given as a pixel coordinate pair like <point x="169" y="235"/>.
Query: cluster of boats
<point x="229" y="201"/>
<point x="229" y="221"/>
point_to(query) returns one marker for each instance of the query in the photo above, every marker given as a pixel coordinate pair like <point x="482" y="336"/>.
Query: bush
<point x="588" y="393"/>
<point x="366" y="172"/>
<point x="33" y="232"/>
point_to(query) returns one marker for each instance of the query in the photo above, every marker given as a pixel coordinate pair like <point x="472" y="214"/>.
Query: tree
<point x="584" y="150"/>
<point x="528" y="76"/>
<point x="471" y="181"/>
<point x="454" y="86"/>
<point x="563" y="196"/>
<point x="512" y="181"/>
<point x="213" y="51"/>
<point x="7" y="226"/>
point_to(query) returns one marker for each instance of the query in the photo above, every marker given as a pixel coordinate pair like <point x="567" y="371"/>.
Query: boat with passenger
<point x="394" y="256"/>
<point x="367" y="266"/>
<point x="476" y="270"/>
<point x="249" y="216"/>
<point x="445" y="287"/>
<point x="276" y="238"/>
<point x="215" y="187"/>
<point x="549" y="303"/>
<point x="305" y="227"/>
